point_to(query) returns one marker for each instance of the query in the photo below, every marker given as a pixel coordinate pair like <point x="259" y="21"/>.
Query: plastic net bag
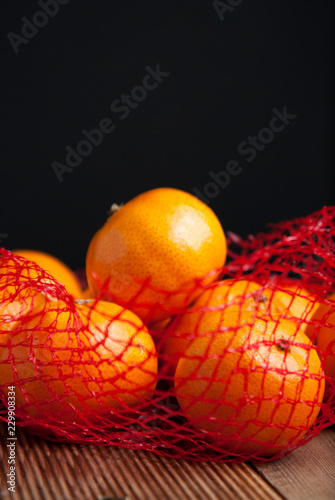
<point x="247" y="371"/>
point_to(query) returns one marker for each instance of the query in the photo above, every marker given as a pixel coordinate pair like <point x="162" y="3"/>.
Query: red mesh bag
<point x="246" y="372"/>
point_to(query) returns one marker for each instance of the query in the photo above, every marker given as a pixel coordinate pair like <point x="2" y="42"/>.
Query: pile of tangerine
<point x="240" y="355"/>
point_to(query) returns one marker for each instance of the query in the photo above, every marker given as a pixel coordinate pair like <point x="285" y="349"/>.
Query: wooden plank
<point x="307" y="473"/>
<point x="54" y="471"/>
<point x="50" y="471"/>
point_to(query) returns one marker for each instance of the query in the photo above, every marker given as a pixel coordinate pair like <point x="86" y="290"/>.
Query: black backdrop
<point x="227" y="68"/>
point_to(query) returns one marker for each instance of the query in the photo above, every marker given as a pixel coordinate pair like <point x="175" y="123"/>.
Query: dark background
<point x="225" y="79"/>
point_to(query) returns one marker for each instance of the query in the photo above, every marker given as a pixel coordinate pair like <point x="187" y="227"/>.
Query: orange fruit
<point x="227" y="295"/>
<point x="86" y="294"/>
<point x="78" y="365"/>
<point x="252" y="386"/>
<point x="294" y="302"/>
<point x="153" y="250"/>
<point x="17" y="297"/>
<point x="324" y="318"/>
<point x="60" y="271"/>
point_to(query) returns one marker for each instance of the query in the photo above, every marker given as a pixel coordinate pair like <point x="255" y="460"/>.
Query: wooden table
<point x="52" y="471"/>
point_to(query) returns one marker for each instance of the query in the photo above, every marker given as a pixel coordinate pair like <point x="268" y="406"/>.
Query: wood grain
<point x="307" y="473"/>
<point x="53" y="471"/>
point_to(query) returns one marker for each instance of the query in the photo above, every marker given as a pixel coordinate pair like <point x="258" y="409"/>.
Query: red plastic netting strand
<point x="246" y="372"/>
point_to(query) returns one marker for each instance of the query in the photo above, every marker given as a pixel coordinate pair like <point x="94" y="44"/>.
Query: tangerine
<point x="324" y="318"/>
<point x="80" y="365"/>
<point x="253" y="386"/>
<point x="17" y="295"/>
<point x="227" y="295"/>
<point x="60" y="271"/>
<point x="295" y="303"/>
<point x="153" y="250"/>
<point x="86" y="294"/>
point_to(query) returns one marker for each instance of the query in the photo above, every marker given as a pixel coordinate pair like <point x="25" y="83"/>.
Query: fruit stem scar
<point x="259" y="297"/>
<point x="284" y="345"/>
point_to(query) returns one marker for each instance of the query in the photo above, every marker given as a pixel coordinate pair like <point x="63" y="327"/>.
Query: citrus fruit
<point x="60" y="271"/>
<point x="17" y="297"/>
<point x="73" y="364"/>
<point x="227" y="295"/>
<point x="86" y="294"/>
<point x="153" y="250"/>
<point x="324" y="318"/>
<point x="294" y="302"/>
<point x="253" y="386"/>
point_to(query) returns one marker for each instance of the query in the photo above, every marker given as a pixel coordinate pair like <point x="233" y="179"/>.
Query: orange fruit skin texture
<point x="60" y="271"/>
<point x="17" y="297"/>
<point x="164" y="235"/>
<point x="254" y="387"/>
<point x="289" y="301"/>
<point x="225" y="296"/>
<point x="295" y="303"/>
<point x="76" y="365"/>
<point x="87" y="294"/>
<point x="324" y="317"/>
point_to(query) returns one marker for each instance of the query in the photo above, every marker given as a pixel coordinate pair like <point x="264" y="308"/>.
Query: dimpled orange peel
<point x="151" y="251"/>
